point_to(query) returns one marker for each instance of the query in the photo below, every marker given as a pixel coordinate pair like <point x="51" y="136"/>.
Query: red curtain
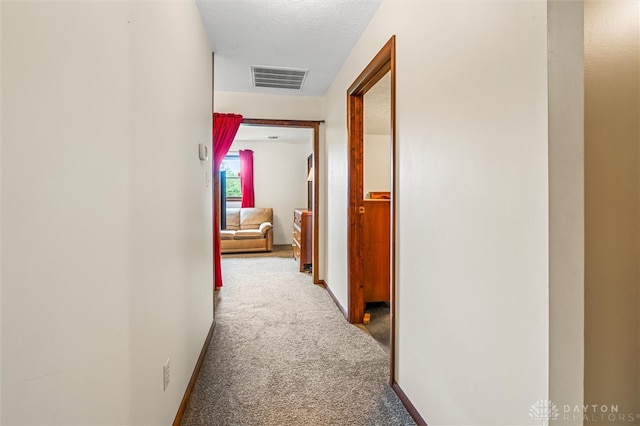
<point x="246" y="178"/>
<point x="225" y="127"/>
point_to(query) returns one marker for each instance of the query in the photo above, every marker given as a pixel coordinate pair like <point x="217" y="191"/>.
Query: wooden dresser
<point x="303" y="238"/>
<point x="377" y="250"/>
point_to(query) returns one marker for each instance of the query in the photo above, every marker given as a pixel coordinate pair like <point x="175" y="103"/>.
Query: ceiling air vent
<point x="278" y="78"/>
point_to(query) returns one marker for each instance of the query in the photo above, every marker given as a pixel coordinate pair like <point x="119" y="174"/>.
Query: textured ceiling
<point x="377" y="120"/>
<point x="308" y="34"/>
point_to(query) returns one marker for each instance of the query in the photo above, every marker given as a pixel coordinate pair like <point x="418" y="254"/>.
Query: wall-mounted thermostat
<point x="204" y="153"/>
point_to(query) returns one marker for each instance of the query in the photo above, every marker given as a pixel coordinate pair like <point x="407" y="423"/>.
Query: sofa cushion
<point x="252" y="218"/>
<point x="233" y="219"/>
<point x="227" y="235"/>
<point x="248" y="234"/>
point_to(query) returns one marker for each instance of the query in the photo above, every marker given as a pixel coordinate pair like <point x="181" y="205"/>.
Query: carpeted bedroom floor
<point x="282" y="354"/>
<point x="281" y="250"/>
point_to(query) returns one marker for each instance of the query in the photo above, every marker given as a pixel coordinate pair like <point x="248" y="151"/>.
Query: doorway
<point x="376" y="238"/>
<point x="315" y="126"/>
<point x="359" y="220"/>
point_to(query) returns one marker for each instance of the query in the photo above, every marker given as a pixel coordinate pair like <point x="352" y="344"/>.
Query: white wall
<point x="65" y="169"/>
<point x="1" y="380"/>
<point x="170" y="220"/>
<point x="377" y="163"/>
<point x="566" y="206"/>
<point x="280" y="180"/>
<point x="106" y="227"/>
<point x="255" y="105"/>
<point x="472" y="229"/>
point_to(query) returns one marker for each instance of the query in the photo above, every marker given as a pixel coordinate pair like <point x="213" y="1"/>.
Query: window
<point x="231" y="165"/>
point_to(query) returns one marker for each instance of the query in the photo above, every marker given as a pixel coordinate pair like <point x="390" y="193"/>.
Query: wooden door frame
<point x="308" y="124"/>
<point x="384" y="62"/>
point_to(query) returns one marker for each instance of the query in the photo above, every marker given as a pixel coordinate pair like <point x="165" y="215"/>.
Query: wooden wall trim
<point x="282" y="123"/>
<point x="316" y="203"/>
<point x="355" y="265"/>
<point x="333" y="297"/>
<point x="194" y="377"/>
<point x="375" y="70"/>
<point x="315" y="125"/>
<point x="413" y="412"/>
<point x="394" y="209"/>
<point x="383" y="62"/>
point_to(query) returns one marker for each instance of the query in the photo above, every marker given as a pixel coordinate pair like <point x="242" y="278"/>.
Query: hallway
<point x="282" y="354"/>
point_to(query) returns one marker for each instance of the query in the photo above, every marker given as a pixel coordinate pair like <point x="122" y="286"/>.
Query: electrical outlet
<point x="166" y="373"/>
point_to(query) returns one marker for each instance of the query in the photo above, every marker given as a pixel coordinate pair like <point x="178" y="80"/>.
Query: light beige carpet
<point x="283" y="354"/>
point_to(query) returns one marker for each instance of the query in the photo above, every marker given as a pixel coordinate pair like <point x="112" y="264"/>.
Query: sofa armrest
<point x="264" y="227"/>
<point x="269" y="239"/>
